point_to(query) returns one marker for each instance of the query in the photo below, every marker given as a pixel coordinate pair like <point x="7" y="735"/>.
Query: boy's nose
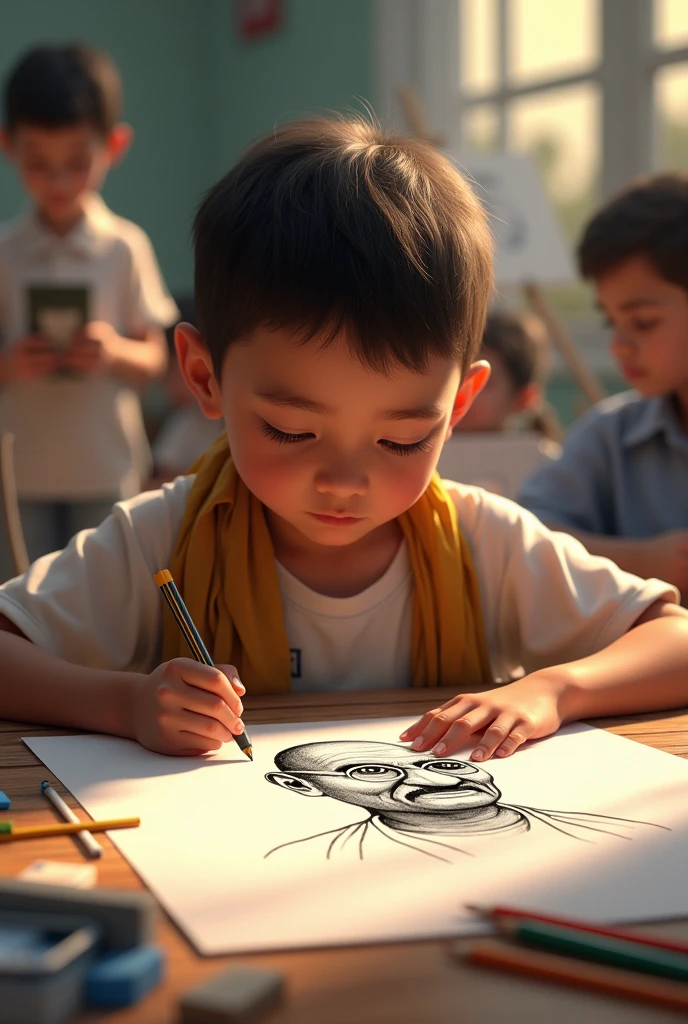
<point x="621" y="341"/>
<point x="341" y="481"/>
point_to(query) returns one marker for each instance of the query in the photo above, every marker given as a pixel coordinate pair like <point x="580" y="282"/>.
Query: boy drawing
<point x="82" y="303"/>
<point x="621" y="485"/>
<point x="342" y="280"/>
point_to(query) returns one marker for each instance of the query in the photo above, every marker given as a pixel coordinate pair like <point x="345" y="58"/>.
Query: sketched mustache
<point x="431" y="790"/>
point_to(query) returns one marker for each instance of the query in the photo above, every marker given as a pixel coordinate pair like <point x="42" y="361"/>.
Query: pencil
<point x="90" y="846"/>
<point x="193" y="637"/>
<point x="498" y="914"/>
<point x="599" y="948"/>
<point x="8" y="832"/>
<point x="550" y="967"/>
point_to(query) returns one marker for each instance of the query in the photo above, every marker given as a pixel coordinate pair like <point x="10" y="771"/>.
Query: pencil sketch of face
<point x="384" y="777"/>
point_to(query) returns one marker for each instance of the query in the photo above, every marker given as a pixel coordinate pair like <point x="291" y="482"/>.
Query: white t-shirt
<point x="544" y="599"/>
<point x="79" y="438"/>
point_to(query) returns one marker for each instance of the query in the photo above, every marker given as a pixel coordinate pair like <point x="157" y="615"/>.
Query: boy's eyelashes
<point x="424" y="445"/>
<point x="636" y="325"/>
<point x="645" y="325"/>
<point x="283" y="437"/>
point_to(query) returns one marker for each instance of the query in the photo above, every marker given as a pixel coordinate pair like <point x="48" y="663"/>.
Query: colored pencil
<point x="498" y="914"/>
<point x="8" y="832"/>
<point x="193" y="638"/>
<point x="91" y="847"/>
<point x="550" y="967"/>
<point x="598" y="948"/>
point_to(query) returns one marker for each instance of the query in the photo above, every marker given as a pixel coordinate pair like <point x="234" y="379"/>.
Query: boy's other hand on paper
<point x="524" y="710"/>
<point x="94" y="349"/>
<point x="32" y="357"/>
<point x="185" y="707"/>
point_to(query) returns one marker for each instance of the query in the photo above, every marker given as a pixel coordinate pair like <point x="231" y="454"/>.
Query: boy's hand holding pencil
<point x="184" y="707"/>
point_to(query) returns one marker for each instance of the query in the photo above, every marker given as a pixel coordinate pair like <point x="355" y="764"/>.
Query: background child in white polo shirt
<point x="73" y="407"/>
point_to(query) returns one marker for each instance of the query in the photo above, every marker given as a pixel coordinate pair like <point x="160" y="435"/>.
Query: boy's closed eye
<point x="284" y="437"/>
<point x="635" y="325"/>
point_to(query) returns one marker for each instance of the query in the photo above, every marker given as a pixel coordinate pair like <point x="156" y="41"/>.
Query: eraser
<point x="120" y="979"/>
<point x="57" y="872"/>
<point x="237" y="996"/>
<point x="4" y="801"/>
<point x="126" y="919"/>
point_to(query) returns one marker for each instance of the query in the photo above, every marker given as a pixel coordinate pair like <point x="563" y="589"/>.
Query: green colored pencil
<point x="599" y="948"/>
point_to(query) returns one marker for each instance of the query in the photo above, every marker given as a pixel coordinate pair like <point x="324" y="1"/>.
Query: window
<point x="596" y="91"/>
<point x="670" y="92"/>
<point x="528" y="82"/>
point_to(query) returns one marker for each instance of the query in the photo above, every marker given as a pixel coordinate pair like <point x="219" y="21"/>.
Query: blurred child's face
<point x="649" y="320"/>
<point x="58" y="166"/>
<point x="498" y="400"/>
<point x="333" y="449"/>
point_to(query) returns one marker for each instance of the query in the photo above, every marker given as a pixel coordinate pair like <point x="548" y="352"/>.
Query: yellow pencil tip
<point x="249" y="752"/>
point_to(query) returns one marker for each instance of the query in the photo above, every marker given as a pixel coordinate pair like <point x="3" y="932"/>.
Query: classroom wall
<point x="322" y="59"/>
<point x="195" y="93"/>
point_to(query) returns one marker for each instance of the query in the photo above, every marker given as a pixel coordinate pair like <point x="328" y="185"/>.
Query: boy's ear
<point x="119" y="142"/>
<point x="196" y="368"/>
<point x="475" y="379"/>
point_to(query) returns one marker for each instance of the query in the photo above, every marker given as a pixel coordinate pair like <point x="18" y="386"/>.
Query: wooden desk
<point x="415" y="982"/>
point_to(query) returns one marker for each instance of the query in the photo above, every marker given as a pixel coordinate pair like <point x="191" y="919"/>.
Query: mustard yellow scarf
<point x="224" y="567"/>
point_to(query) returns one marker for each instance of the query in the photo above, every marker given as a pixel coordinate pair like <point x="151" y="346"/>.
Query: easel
<point x="585" y="378"/>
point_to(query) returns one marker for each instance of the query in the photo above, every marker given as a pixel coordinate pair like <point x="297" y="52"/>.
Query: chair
<point x="8" y="492"/>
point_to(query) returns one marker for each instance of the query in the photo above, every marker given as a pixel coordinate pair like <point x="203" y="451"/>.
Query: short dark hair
<point x="650" y="219"/>
<point x="332" y="224"/>
<point x="57" y="86"/>
<point x="520" y="339"/>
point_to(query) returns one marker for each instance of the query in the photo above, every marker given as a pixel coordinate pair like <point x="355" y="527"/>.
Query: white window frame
<point x="417" y="42"/>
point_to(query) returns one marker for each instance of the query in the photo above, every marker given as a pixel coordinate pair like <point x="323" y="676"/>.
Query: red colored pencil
<point x="643" y="939"/>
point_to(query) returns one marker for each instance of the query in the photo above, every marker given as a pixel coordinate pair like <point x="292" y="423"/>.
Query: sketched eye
<point x="374" y="772"/>
<point x="451" y="767"/>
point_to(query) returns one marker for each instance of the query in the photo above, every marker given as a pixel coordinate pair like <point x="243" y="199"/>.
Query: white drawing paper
<point x="529" y="243"/>
<point x="337" y="833"/>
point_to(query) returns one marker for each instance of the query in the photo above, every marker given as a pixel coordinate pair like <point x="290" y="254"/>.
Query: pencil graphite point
<point x="249" y="752"/>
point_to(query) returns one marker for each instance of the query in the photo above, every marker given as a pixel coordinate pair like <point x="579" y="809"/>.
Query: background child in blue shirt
<point x="621" y="485"/>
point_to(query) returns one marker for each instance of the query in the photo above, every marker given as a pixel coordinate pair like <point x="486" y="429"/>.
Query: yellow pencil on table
<point x="192" y="636"/>
<point x="8" y="833"/>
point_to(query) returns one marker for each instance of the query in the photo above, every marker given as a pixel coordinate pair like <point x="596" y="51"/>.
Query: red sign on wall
<point x="258" y="18"/>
